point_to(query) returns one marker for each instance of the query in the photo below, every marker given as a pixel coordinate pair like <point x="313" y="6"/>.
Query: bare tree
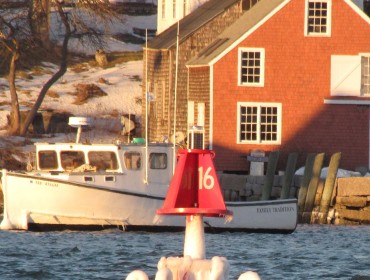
<point x="55" y="77"/>
<point x="10" y="32"/>
<point x="73" y="23"/>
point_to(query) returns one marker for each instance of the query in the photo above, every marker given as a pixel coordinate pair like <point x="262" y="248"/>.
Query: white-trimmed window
<point x="365" y="75"/>
<point x="251" y="67"/>
<point x="259" y="123"/>
<point x="318" y="18"/>
<point x="350" y="75"/>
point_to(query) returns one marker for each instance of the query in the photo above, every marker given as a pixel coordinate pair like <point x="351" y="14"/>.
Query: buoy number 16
<point x="206" y="180"/>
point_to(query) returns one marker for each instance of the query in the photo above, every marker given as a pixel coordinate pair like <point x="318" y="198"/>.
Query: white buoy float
<point x="194" y="192"/>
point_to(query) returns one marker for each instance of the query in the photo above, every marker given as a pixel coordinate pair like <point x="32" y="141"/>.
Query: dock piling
<point x="270" y="174"/>
<point x="312" y="188"/>
<point x="288" y="175"/>
<point x="329" y="187"/>
<point x="305" y="183"/>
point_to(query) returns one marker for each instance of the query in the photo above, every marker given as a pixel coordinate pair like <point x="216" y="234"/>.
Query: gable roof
<point x="190" y="23"/>
<point x="240" y="29"/>
<point x="244" y="26"/>
<point x="357" y="9"/>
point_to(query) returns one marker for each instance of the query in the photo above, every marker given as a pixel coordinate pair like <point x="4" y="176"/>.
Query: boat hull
<point x="34" y="202"/>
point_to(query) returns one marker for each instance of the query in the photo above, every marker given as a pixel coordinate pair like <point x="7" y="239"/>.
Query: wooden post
<point x="288" y="176"/>
<point x="329" y="187"/>
<point x="304" y="184"/>
<point x="270" y="174"/>
<point x="312" y="188"/>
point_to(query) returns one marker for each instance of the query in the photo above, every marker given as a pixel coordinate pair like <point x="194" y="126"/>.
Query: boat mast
<point x="175" y="101"/>
<point x="146" y="107"/>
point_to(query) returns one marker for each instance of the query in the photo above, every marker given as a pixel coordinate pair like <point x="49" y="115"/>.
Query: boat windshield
<point x="103" y="160"/>
<point x="72" y="159"/>
<point x="47" y="160"/>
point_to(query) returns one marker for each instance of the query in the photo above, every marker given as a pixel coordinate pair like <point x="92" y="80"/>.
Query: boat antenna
<point x="79" y="123"/>
<point x="175" y="101"/>
<point x="146" y="107"/>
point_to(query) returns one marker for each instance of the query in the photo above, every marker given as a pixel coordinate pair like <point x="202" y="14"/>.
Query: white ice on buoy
<point x="249" y="275"/>
<point x="220" y="269"/>
<point x="186" y="268"/>
<point x="137" y="275"/>
<point x="164" y="273"/>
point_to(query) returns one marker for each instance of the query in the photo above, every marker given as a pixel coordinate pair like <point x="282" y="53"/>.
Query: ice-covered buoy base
<point x="186" y="268"/>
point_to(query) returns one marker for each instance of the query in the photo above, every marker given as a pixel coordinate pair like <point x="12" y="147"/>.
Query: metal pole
<point x="146" y="107"/>
<point x="175" y="101"/>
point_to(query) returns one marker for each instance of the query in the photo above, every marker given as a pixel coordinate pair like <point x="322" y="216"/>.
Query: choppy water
<point x="311" y="252"/>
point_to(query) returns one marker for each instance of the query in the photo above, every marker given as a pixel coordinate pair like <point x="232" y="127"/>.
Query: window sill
<point x="317" y="35"/>
<point x="251" y="85"/>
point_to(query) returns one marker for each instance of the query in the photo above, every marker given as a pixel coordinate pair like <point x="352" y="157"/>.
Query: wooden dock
<point x="329" y="200"/>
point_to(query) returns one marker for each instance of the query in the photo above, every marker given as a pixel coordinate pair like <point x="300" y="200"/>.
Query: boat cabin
<point x="77" y="157"/>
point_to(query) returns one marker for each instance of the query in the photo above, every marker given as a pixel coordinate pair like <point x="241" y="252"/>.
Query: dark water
<point x="312" y="252"/>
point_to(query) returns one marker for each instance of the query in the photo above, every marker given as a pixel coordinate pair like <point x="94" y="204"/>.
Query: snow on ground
<point x="122" y="83"/>
<point x="122" y="86"/>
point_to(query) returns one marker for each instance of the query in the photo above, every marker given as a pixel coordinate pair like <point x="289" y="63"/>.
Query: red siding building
<point x="290" y="76"/>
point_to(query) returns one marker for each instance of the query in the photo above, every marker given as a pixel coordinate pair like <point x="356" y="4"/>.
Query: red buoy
<point x="194" y="188"/>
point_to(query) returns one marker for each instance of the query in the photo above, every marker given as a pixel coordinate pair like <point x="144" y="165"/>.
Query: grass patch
<point x="4" y="103"/>
<point x="79" y="67"/>
<point x="52" y="93"/>
<point x="24" y="92"/>
<point x="39" y="71"/>
<point x="101" y="80"/>
<point x="86" y="91"/>
<point x="24" y="75"/>
<point x="135" y="78"/>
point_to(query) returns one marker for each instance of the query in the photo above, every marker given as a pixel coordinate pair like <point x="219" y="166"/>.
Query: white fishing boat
<point x="97" y="186"/>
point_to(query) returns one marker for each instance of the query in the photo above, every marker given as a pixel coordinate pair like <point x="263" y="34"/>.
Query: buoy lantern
<point x="194" y="188"/>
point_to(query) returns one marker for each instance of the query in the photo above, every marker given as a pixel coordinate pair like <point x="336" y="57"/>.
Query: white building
<point x="171" y="11"/>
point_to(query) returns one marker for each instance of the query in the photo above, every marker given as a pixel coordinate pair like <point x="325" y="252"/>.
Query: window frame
<point x="261" y="82"/>
<point x="365" y="77"/>
<point x="155" y="158"/>
<point x="70" y="160"/>
<point x="258" y="141"/>
<point x="47" y="160"/>
<point x="328" y="19"/>
<point x="103" y="160"/>
<point x="129" y="160"/>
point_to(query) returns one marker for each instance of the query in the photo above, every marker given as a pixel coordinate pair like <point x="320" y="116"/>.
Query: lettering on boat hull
<point x="275" y="209"/>
<point x="44" y="183"/>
